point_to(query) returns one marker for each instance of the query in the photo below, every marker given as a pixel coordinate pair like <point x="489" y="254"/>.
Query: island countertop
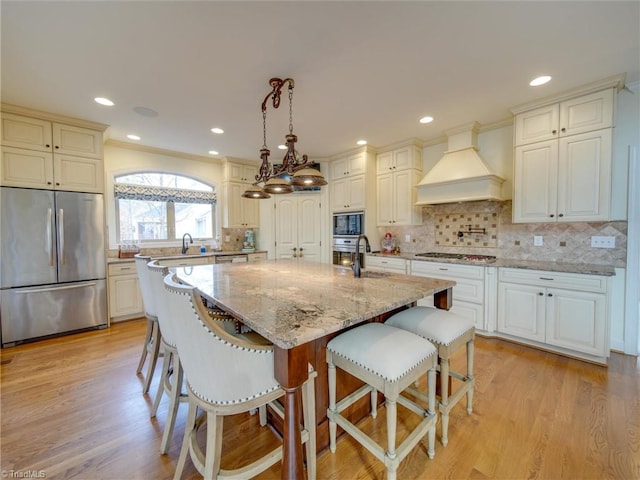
<point x="292" y="302"/>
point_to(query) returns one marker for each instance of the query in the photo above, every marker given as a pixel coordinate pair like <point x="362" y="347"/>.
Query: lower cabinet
<point x="469" y="293"/>
<point x="256" y="257"/>
<point x="125" y="299"/>
<point x="386" y="264"/>
<point x="566" y="312"/>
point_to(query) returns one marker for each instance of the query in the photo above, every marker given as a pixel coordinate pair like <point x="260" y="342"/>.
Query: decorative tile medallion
<point x="467" y="229"/>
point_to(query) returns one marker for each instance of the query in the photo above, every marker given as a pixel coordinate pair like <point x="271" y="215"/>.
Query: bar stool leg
<point x="145" y="346"/>
<point x="374" y="403"/>
<point x="392" y="417"/>
<point x="431" y="409"/>
<point x="444" y="399"/>
<point x="332" y="406"/>
<point x="470" y="351"/>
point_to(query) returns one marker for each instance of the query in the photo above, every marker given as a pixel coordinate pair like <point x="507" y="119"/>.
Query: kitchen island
<point x="300" y="306"/>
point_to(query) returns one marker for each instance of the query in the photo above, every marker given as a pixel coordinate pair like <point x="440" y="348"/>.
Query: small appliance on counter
<point x="249" y="244"/>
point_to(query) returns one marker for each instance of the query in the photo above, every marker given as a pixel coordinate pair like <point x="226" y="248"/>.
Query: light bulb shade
<point x="308" y="177"/>
<point x="255" y="192"/>
<point x="277" y="185"/>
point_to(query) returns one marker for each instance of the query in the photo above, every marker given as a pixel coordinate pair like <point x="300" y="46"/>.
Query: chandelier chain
<point x="290" y="108"/>
<point x="264" y="128"/>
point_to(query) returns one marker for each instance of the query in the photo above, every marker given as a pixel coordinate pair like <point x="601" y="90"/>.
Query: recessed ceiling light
<point x="282" y="147"/>
<point x="133" y="137"/>
<point x="540" y="80"/>
<point x="104" y="101"/>
<point x="426" y="120"/>
<point x="213" y="152"/>
<point x="217" y="130"/>
<point x="361" y="142"/>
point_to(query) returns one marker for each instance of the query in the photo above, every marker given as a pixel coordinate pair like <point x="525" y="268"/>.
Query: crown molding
<point x="52" y="117"/>
<point x="161" y="151"/>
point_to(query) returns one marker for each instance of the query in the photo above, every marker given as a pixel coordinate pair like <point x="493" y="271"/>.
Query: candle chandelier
<point x="295" y="170"/>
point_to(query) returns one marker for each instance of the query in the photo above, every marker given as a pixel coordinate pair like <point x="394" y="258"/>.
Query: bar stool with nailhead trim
<point x="448" y="332"/>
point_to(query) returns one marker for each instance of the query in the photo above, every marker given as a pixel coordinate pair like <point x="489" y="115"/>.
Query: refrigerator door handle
<point x="61" y="235"/>
<point x="54" y="289"/>
<point x="49" y="235"/>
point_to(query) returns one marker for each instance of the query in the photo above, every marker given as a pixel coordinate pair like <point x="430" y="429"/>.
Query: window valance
<point x="162" y="194"/>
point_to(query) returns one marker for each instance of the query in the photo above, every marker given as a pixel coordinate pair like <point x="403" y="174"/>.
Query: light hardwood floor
<point x="72" y="408"/>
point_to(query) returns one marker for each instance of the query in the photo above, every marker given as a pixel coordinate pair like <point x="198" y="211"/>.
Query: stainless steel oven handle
<point x="54" y="289"/>
<point x="61" y="235"/>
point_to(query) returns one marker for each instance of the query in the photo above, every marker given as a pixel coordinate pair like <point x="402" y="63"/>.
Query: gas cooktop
<point x="459" y="256"/>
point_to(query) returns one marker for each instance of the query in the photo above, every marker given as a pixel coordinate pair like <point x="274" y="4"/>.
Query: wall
<point x="119" y="159"/>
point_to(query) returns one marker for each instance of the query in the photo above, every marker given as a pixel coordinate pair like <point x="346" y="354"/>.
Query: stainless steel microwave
<point x="348" y="224"/>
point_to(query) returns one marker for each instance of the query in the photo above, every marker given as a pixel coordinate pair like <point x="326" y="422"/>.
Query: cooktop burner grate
<point x="458" y="256"/>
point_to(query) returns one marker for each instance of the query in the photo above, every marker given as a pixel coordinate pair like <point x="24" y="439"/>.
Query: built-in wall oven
<point x="346" y="228"/>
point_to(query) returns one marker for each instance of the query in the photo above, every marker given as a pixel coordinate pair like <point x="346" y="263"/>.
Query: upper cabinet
<point x="577" y="115"/>
<point x="352" y="183"/>
<point x="37" y="153"/>
<point x="399" y="171"/>
<point x="563" y="158"/>
<point x="237" y="211"/>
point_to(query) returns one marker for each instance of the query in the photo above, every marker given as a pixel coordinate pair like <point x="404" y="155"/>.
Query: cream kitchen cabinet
<point x="187" y="261"/>
<point x="407" y="157"/>
<point x="298" y="220"/>
<point x="239" y="212"/>
<point x="348" y="194"/>
<point x="125" y="299"/>
<point x="577" y="115"/>
<point x="470" y="299"/>
<point x="386" y="264"/>
<point x="348" y="166"/>
<point x="396" y="198"/>
<point x="52" y="156"/>
<point x="257" y="256"/>
<point x="240" y="172"/>
<point x="559" y="311"/>
<point x="566" y="180"/>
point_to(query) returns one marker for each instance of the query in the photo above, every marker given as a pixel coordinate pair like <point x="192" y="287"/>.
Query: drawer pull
<point x="443" y="269"/>
<point x="545" y="278"/>
<point x="125" y="268"/>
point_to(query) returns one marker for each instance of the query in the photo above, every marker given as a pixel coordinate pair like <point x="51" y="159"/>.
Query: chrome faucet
<point x="356" y="265"/>
<point x="185" y="245"/>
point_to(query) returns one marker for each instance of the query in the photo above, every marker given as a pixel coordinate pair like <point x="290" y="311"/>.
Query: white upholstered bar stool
<point x="448" y="332"/>
<point x="388" y="360"/>
<point x="151" y="345"/>
<point x="227" y="375"/>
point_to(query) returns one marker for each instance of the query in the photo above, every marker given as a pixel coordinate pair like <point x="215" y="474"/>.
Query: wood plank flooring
<point x="72" y="408"/>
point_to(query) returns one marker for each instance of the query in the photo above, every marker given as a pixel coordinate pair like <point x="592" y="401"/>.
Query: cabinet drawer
<point x="396" y="264"/>
<point x="571" y="281"/>
<point x="470" y="311"/>
<point x="466" y="289"/>
<point x="124" y="268"/>
<point x="186" y="262"/>
<point x="430" y="269"/>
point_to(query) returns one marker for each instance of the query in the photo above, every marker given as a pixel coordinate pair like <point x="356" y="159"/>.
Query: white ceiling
<point x="362" y="69"/>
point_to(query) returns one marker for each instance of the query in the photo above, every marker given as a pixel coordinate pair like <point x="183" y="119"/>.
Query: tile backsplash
<point x="565" y="242"/>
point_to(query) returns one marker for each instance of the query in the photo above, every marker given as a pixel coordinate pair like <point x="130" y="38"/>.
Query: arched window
<point x="161" y="206"/>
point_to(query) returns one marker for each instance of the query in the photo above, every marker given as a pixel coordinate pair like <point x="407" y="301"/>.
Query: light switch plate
<point x="603" y="242"/>
<point x="537" y="240"/>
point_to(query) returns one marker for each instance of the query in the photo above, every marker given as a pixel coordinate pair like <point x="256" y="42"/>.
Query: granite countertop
<point x="292" y="303"/>
<point x="585" y="268"/>
<point x="188" y="255"/>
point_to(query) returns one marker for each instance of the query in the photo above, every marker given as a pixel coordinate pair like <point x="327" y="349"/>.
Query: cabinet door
<point x="72" y="140"/>
<point x="521" y="311"/>
<point x="286" y="223"/>
<point x="535" y="182"/>
<point x="124" y="296"/>
<point x="339" y="195"/>
<point x="384" y="162"/>
<point x="587" y="113"/>
<point x="26" y="168"/>
<point x="537" y="125"/>
<point x="385" y="199"/>
<point x="339" y="168"/>
<point x="77" y="174"/>
<point x="238" y="172"/>
<point x="24" y="132"/>
<point x="240" y="212"/>
<point x="584" y="177"/>
<point x="404" y="198"/>
<point x="309" y="234"/>
<point x="356" y="192"/>
<point x="356" y="164"/>
<point x="577" y="320"/>
<point x="250" y="212"/>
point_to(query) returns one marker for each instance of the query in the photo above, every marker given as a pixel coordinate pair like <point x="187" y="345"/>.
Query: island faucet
<point x="356" y="265"/>
<point x="185" y="245"/>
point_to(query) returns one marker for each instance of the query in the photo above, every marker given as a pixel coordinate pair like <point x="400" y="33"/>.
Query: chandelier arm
<point x="276" y="92"/>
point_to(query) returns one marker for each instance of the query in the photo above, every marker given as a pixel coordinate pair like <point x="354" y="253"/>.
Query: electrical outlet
<point x="603" y="242"/>
<point x="538" y="241"/>
<point x="407" y="238"/>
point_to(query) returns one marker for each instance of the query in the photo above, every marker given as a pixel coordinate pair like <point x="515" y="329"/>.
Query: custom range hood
<point x="460" y="175"/>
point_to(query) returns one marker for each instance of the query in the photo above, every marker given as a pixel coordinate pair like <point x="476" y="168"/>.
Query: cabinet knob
<point x="540" y="293"/>
<point x="552" y="215"/>
<point x="48" y="183"/>
<point x="57" y="146"/>
<point x="554" y="131"/>
<point x="561" y="214"/>
<point x="549" y="294"/>
<point x="58" y="183"/>
<point x="48" y="146"/>
<point x="563" y="129"/>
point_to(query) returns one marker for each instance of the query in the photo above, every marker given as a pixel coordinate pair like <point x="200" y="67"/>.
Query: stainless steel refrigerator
<point x="52" y="263"/>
